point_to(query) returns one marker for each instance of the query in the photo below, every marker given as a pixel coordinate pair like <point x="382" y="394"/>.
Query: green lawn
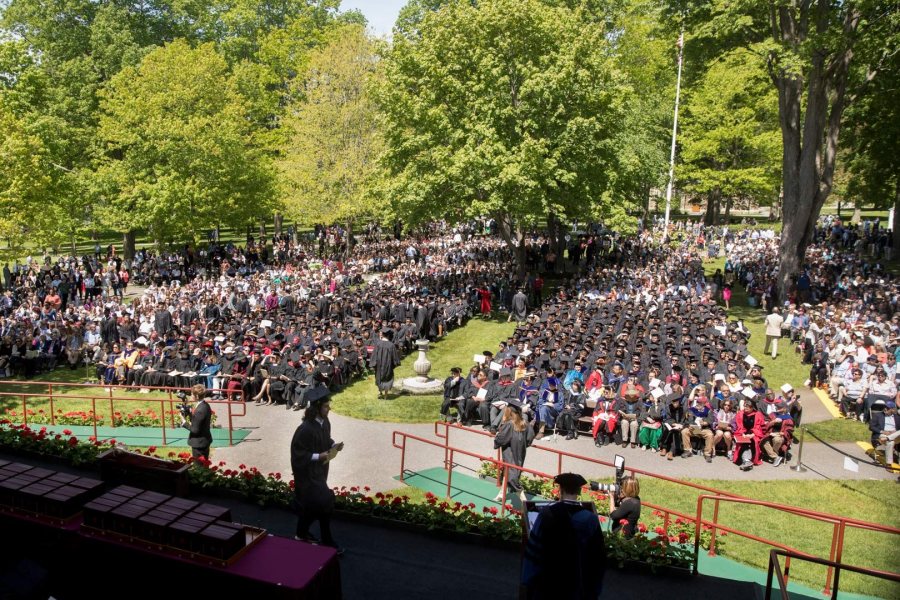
<point x="360" y="398"/>
<point x="787" y="367"/>
<point x="64" y="401"/>
<point x="873" y="501"/>
<point x="839" y="430"/>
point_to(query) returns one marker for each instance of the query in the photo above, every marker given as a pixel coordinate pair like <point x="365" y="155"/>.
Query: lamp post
<point x="674" y="131"/>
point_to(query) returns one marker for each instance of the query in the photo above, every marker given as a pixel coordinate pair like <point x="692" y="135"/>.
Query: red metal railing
<point x="837" y="540"/>
<point x="443" y="430"/>
<point x="775" y="566"/>
<point x="451" y="452"/>
<point x="53" y="395"/>
<point x="560" y="454"/>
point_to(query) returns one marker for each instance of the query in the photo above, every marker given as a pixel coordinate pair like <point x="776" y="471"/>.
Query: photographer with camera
<point x="625" y="505"/>
<point x="200" y="437"/>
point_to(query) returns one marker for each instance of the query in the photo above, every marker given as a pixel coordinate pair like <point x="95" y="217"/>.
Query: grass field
<point x="360" y="398"/>
<point x="839" y="430"/>
<point x="873" y="501"/>
<point x="69" y="396"/>
<point x="787" y="368"/>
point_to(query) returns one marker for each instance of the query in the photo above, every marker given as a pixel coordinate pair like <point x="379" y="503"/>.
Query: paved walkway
<point x="371" y="459"/>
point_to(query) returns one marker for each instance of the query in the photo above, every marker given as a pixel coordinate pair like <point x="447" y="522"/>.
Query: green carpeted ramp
<point x="464" y="488"/>
<point x="143" y="436"/>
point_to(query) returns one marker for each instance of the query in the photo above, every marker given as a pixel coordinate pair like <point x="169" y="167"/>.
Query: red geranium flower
<point x="151" y="449"/>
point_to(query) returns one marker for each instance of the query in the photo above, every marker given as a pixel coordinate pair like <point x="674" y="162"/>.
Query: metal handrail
<point x="108" y="397"/>
<point x="500" y="463"/>
<point x="562" y="453"/>
<point x="837" y="540"/>
<point x="782" y="577"/>
<point x="442" y="431"/>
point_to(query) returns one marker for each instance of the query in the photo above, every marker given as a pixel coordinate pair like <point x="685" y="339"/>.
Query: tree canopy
<point x="508" y="108"/>
<point x="330" y="166"/>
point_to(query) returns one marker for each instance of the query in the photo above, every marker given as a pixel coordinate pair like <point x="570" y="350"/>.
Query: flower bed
<point x="272" y="490"/>
<point x="135" y="418"/>
<point x="65" y="446"/>
<point x="655" y="542"/>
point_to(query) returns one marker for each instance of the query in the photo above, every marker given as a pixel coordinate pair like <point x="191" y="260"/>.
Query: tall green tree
<point x="330" y="165"/>
<point x="508" y="108"/>
<point x="820" y="56"/>
<point x="176" y="150"/>
<point x="26" y="178"/>
<point x="872" y="152"/>
<point x="730" y="140"/>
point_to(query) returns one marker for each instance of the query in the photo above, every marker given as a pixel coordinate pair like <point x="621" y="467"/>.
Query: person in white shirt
<point x="773" y="331"/>
<point x="885" y="428"/>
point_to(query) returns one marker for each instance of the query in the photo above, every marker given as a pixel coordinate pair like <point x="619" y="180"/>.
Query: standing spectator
<point x="773" y="331"/>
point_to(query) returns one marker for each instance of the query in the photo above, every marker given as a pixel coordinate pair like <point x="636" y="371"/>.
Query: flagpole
<point x="674" y="131"/>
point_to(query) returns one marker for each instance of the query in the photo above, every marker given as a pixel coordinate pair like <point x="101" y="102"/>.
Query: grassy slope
<point x="787" y="367"/>
<point x="63" y="376"/>
<point x="360" y="398"/>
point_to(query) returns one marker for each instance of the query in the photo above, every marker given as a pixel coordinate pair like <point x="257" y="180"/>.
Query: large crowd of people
<point x="633" y="348"/>
<point x="636" y="351"/>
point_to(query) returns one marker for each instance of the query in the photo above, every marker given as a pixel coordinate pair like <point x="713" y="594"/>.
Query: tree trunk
<point x="278" y="222"/>
<point x="839" y="209"/>
<point x="895" y="232"/>
<point x="262" y="230"/>
<point x="557" y="233"/>
<point x="857" y="214"/>
<point x="514" y="236"/>
<point x="712" y="207"/>
<point x="728" y="210"/>
<point x="128" y="244"/>
<point x="809" y="133"/>
<point x="646" y="211"/>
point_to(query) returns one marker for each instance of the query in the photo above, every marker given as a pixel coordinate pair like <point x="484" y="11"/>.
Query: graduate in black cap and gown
<point x="385" y="358"/>
<point x="513" y="437"/>
<point x="312" y="449"/>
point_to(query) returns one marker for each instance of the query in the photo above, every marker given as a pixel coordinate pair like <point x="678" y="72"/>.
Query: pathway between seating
<point x="370" y="458"/>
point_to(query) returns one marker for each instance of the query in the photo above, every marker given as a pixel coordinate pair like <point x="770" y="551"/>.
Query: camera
<point x="612" y="489"/>
<point x="184" y="407"/>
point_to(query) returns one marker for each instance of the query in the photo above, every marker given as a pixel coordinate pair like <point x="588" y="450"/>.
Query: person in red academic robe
<point x="606" y="418"/>
<point x="485" y="295"/>
<point x="748" y="422"/>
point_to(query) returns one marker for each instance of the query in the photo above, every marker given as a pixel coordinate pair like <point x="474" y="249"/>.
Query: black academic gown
<point x="311" y="477"/>
<point x="385" y="358"/>
<point x="514" y="444"/>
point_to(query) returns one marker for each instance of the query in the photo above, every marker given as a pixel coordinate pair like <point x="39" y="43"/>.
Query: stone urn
<point x="422" y="365"/>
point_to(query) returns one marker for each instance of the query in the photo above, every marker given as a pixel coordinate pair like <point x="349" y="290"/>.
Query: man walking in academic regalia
<point x="519" y="310"/>
<point x="311" y="450"/>
<point x="385" y="358"/>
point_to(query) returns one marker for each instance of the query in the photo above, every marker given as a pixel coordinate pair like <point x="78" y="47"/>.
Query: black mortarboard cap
<point x="570" y="482"/>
